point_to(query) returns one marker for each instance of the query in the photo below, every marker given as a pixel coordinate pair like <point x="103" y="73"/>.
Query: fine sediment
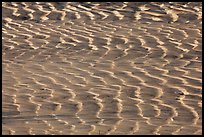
<point x="102" y="68"/>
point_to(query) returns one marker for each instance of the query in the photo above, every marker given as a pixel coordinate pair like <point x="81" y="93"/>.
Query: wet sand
<point x="102" y="68"/>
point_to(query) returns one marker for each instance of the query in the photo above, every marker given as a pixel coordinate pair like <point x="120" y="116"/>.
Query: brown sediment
<point x="102" y="68"/>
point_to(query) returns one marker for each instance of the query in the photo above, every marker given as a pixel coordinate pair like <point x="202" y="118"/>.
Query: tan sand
<point x="102" y="68"/>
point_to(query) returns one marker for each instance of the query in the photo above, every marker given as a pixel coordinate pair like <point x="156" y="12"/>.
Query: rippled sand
<point x="102" y="68"/>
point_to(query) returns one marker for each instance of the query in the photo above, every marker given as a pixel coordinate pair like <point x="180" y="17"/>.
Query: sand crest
<point x="102" y="68"/>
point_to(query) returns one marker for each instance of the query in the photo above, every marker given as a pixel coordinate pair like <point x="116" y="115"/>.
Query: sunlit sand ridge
<point x="102" y="68"/>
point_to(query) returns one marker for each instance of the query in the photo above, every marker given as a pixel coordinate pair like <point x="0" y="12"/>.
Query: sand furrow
<point x="72" y="68"/>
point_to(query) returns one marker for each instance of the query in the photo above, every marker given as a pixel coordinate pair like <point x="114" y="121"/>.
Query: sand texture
<point x="102" y="68"/>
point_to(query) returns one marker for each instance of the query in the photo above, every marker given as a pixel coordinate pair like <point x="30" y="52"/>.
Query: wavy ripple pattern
<point x="102" y="68"/>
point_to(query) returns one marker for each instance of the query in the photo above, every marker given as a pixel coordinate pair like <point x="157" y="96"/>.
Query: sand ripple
<point x="102" y="68"/>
